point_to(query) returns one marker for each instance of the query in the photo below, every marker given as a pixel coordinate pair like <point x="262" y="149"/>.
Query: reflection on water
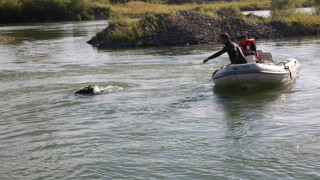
<point x="244" y="108"/>
<point x="162" y="118"/>
<point x="50" y="31"/>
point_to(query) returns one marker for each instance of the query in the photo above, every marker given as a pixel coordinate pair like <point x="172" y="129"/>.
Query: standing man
<point x="247" y="44"/>
<point x="235" y="54"/>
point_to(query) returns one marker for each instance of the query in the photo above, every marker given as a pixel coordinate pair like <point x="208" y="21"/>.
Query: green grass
<point x="125" y="29"/>
<point x="303" y="19"/>
<point x="51" y="10"/>
<point x="139" y="8"/>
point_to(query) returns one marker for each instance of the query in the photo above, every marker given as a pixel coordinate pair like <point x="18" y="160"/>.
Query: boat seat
<point x="251" y="59"/>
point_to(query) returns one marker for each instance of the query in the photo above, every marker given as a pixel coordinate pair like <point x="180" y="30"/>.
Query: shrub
<point x="317" y="5"/>
<point x="124" y="29"/>
<point x="101" y="9"/>
<point x="233" y="11"/>
<point x="44" y="10"/>
<point x="10" y="11"/>
<point x="282" y="7"/>
<point x="51" y="10"/>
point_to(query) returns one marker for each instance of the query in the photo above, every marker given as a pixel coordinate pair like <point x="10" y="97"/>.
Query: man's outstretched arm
<point x="216" y="55"/>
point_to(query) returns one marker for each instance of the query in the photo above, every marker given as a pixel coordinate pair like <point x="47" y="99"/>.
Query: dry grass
<point x="124" y="29"/>
<point x="49" y="10"/>
<point x="138" y="8"/>
<point x="304" y="19"/>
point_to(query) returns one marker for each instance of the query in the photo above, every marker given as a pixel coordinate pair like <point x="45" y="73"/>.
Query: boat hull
<point x="253" y="74"/>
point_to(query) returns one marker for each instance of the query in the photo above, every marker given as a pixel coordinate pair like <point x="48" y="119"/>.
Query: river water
<point x="161" y="117"/>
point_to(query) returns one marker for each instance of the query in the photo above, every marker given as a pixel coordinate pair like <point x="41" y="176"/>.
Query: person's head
<point x="224" y="38"/>
<point x="243" y="39"/>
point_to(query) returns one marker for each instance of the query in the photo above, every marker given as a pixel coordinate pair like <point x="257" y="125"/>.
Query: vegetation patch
<point x="179" y="28"/>
<point x="127" y="32"/>
<point x="51" y="10"/>
<point x="204" y="24"/>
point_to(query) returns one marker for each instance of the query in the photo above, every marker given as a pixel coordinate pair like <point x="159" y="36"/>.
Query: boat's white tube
<point x="256" y="73"/>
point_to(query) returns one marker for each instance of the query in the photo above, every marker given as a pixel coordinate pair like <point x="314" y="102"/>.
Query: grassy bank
<point x="12" y="11"/>
<point x="130" y="30"/>
<point x="127" y="29"/>
<point x="301" y="19"/>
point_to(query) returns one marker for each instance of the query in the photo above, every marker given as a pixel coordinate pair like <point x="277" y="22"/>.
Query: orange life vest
<point x="247" y="47"/>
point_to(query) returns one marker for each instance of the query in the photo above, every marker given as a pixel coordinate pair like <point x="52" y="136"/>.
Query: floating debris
<point x="4" y="40"/>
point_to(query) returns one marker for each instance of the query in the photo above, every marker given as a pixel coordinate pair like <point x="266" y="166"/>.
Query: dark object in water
<point x="86" y="91"/>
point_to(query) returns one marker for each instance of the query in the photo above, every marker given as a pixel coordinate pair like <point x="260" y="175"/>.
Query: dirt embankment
<point x="189" y="28"/>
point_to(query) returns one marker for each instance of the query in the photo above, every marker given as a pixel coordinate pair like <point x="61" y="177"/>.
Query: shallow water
<point x="161" y="119"/>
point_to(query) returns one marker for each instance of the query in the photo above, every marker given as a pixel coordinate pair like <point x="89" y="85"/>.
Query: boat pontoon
<point x="257" y="71"/>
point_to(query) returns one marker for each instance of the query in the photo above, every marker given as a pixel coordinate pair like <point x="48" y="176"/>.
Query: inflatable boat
<point x="260" y="71"/>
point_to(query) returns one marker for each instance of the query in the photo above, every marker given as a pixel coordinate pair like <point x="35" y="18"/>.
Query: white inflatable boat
<point x="256" y="72"/>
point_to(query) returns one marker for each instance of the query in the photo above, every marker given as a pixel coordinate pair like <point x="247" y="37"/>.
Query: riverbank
<point x="191" y="27"/>
<point x="14" y="11"/>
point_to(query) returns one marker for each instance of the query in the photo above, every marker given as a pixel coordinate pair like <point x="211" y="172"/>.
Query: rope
<point x="287" y="68"/>
<point x="237" y="79"/>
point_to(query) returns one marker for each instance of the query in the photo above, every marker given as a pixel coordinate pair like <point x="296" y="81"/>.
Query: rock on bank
<point x="182" y="28"/>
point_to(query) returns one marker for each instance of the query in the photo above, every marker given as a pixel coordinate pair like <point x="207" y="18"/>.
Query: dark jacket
<point x="235" y="54"/>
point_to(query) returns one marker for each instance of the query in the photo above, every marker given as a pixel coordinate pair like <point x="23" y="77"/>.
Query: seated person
<point x="247" y="45"/>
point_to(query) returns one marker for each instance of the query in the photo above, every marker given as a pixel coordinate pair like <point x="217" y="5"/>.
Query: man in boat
<point x="235" y="54"/>
<point x="247" y="45"/>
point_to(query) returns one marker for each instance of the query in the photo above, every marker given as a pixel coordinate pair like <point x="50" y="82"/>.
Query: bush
<point x="129" y="30"/>
<point x="282" y="7"/>
<point x="233" y="11"/>
<point x="10" y="10"/>
<point x="51" y="10"/>
<point x="43" y="10"/>
<point x="124" y="29"/>
<point x="317" y="5"/>
<point x="101" y="9"/>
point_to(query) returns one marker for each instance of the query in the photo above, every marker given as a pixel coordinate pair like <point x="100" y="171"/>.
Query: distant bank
<point x="190" y="27"/>
<point x="16" y="11"/>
